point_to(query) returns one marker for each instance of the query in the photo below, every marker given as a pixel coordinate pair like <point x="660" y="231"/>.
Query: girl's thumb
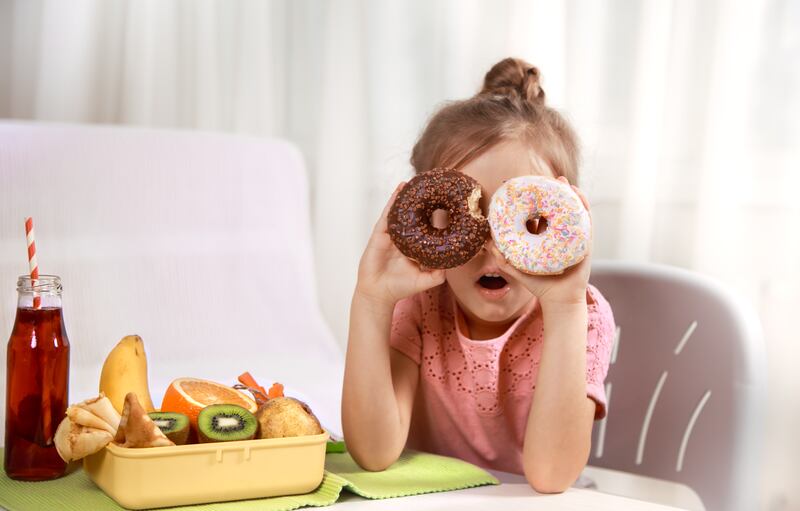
<point x="435" y="277"/>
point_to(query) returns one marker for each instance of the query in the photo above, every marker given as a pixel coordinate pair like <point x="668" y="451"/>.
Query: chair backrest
<point x="686" y="385"/>
<point x="198" y="242"/>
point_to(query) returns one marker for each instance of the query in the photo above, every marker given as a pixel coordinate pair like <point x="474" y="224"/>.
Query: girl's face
<point x="487" y="295"/>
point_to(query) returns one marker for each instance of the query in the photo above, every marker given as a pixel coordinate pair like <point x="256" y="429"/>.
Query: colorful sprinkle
<point x="564" y="241"/>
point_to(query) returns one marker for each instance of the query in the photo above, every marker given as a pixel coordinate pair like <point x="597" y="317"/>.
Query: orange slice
<point x="190" y="395"/>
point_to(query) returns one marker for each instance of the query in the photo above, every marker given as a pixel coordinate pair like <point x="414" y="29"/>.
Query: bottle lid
<point x="45" y="284"/>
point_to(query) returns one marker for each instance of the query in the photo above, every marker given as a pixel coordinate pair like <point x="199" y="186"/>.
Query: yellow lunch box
<point x="212" y="472"/>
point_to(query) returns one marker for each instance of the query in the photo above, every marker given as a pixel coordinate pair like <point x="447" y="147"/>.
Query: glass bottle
<point x="37" y="381"/>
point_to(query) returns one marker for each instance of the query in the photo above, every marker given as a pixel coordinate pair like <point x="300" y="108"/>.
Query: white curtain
<point x="689" y="113"/>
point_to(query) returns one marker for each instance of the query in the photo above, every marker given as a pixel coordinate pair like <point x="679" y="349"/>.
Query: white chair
<point x="198" y="242"/>
<point x="686" y="385"/>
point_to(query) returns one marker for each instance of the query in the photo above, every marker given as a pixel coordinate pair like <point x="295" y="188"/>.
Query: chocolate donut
<point x="410" y="219"/>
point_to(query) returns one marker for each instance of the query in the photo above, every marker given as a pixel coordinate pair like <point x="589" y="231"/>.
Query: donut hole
<point x="536" y="225"/>
<point x="440" y="219"/>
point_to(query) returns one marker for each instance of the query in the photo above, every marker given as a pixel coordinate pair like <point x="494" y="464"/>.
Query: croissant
<point x="100" y="407"/>
<point x="88" y="427"/>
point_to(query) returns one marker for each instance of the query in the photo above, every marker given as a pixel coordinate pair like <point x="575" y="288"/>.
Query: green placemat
<point x="76" y="492"/>
<point x="413" y="474"/>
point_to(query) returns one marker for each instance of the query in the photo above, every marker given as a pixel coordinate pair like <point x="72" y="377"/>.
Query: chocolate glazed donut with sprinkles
<point x="410" y="226"/>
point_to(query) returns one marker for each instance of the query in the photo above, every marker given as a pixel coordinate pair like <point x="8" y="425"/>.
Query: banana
<point x="125" y="370"/>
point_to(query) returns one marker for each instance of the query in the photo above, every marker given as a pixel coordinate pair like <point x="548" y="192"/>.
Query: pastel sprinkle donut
<point x="565" y="240"/>
<point x="410" y="219"/>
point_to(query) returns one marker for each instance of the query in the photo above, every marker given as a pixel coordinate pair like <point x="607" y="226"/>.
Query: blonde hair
<point x="510" y="105"/>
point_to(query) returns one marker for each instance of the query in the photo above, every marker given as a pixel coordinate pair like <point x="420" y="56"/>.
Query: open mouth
<point x="492" y="281"/>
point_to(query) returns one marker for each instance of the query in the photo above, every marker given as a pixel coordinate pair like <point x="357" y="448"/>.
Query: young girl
<point x="481" y="362"/>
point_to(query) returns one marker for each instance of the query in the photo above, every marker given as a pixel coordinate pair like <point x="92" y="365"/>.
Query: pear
<point x="285" y="416"/>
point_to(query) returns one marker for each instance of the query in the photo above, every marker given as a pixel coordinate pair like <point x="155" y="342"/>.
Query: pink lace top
<point x="474" y="397"/>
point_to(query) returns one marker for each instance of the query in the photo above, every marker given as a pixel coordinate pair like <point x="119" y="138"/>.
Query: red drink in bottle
<point x="37" y="378"/>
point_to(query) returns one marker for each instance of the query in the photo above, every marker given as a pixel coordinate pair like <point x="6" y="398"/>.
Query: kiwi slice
<point x="224" y="423"/>
<point x="173" y="424"/>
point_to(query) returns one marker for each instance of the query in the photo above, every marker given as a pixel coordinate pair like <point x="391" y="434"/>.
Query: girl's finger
<point x="382" y="225"/>
<point x="421" y="268"/>
<point x="433" y="278"/>
<point x="585" y="205"/>
<point x="582" y="197"/>
<point x="428" y="279"/>
<point x="578" y="192"/>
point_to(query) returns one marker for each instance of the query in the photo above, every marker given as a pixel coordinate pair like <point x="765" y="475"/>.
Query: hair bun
<point x="516" y="78"/>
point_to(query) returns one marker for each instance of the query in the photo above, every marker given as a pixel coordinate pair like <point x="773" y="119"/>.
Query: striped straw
<point x="34" y="266"/>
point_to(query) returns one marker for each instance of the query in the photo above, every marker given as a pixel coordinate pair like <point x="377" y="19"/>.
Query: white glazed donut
<point x="565" y="240"/>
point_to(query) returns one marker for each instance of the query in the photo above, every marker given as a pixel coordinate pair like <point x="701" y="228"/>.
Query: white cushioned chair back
<point x="686" y="385"/>
<point x="198" y="242"/>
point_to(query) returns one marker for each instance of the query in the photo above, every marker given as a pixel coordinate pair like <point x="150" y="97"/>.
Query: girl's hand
<point x="384" y="273"/>
<point x="566" y="288"/>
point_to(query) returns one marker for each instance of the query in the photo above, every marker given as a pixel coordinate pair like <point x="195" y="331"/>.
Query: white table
<point x="514" y="493"/>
